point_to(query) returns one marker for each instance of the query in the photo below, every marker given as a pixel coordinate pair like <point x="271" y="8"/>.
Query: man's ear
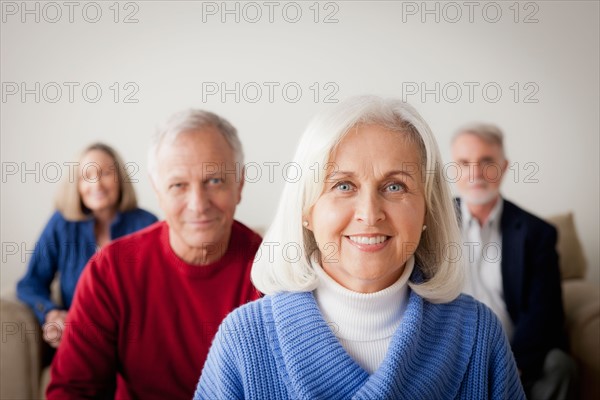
<point x="153" y="181"/>
<point x="242" y="179"/>
<point x="504" y="166"/>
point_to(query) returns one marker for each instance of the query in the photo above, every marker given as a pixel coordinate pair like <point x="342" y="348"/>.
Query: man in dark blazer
<point x="512" y="264"/>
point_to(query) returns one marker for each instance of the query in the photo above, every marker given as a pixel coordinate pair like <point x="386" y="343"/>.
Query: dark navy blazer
<point x="532" y="289"/>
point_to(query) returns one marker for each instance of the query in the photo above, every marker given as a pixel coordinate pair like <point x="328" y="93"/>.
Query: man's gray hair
<point x="489" y="133"/>
<point x="193" y="120"/>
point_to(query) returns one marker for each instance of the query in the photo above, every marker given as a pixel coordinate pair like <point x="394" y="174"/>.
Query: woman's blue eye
<point x="344" y="187"/>
<point x="395" y="187"/>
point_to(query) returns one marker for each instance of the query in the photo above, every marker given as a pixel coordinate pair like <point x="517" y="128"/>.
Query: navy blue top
<point x="65" y="248"/>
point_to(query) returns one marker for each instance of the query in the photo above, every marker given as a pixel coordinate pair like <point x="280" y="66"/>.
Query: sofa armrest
<point x="581" y="301"/>
<point x="20" y="358"/>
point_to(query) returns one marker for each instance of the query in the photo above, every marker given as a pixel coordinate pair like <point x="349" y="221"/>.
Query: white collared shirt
<point x="482" y="247"/>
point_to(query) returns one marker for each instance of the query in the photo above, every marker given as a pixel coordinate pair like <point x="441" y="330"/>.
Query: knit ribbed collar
<point x="422" y="354"/>
<point x="362" y="316"/>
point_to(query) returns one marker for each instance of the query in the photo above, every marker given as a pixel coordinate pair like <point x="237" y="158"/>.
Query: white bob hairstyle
<point x="277" y="271"/>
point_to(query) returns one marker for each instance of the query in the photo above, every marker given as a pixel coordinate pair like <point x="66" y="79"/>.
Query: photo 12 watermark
<point x="470" y="92"/>
<point x="269" y="92"/>
<point x="54" y="172"/>
<point x="23" y="252"/>
<point x="69" y="92"/>
<point x="53" y="12"/>
<point x="252" y="12"/>
<point x="453" y="12"/>
<point x="57" y="332"/>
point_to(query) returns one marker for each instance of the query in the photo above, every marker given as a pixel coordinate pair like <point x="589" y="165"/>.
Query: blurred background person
<point x="362" y="300"/>
<point x="512" y="264"/>
<point x="93" y="207"/>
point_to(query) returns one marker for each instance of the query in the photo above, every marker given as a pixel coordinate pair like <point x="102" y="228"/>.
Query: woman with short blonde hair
<point x="94" y="206"/>
<point x="68" y="199"/>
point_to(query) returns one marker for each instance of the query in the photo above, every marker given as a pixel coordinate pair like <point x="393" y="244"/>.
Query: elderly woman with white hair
<point x="368" y="306"/>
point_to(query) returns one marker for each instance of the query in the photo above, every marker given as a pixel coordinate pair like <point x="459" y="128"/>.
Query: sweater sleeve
<point x="85" y="365"/>
<point x="34" y="288"/>
<point x="504" y="382"/>
<point x="220" y="377"/>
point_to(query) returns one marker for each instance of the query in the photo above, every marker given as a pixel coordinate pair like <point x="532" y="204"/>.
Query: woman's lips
<point x="369" y="243"/>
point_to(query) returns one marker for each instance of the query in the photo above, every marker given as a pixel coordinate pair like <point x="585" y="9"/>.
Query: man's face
<point x="198" y="190"/>
<point x="482" y="167"/>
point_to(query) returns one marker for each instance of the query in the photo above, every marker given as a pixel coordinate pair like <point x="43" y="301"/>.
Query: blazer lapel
<point x="513" y="247"/>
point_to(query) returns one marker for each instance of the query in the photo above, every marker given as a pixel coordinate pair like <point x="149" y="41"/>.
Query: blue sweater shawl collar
<point x="313" y="363"/>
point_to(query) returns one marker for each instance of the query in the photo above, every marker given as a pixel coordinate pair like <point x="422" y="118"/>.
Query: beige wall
<point x="177" y="54"/>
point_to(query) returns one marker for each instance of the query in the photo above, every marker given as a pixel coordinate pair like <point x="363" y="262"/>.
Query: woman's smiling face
<point x="369" y="219"/>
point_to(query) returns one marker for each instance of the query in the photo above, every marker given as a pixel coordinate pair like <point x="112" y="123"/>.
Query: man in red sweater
<point x="148" y="305"/>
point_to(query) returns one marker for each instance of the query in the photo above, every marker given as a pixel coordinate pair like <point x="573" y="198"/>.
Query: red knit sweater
<point x="143" y="320"/>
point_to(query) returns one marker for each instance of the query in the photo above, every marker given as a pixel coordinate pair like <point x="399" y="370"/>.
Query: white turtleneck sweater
<point x="364" y="323"/>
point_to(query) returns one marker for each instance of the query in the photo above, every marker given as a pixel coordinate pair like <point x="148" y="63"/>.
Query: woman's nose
<point x="369" y="208"/>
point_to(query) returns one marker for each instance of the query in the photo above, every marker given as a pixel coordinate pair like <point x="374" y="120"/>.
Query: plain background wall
<point x="177" y="54"/>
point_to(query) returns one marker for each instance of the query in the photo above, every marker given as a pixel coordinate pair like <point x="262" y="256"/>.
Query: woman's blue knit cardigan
<point x="280" y="347"/>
